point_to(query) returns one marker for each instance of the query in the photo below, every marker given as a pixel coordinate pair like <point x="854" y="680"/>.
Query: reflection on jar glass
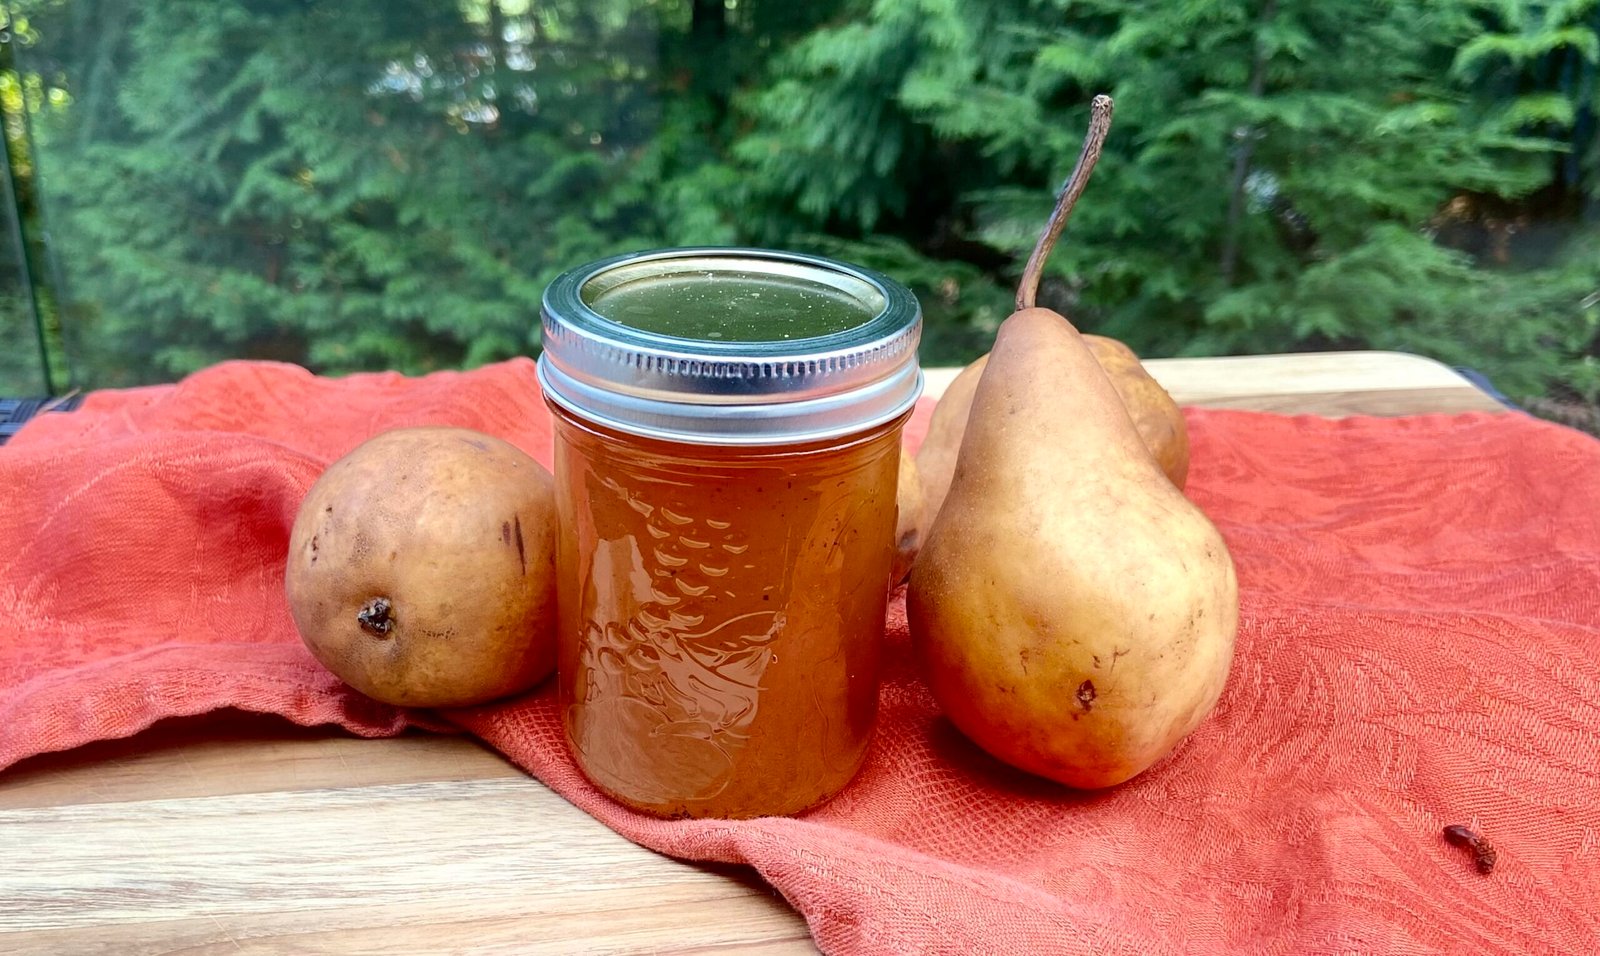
<point x="720" y="648"/>
<point x="724" y="558"/>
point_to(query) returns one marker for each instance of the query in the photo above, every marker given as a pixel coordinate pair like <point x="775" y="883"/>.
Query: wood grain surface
<point x="1317" y="383"/>
<point x="239" y="833"/>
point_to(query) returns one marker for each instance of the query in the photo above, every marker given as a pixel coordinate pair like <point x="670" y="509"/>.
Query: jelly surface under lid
<point x="730" y="346"/>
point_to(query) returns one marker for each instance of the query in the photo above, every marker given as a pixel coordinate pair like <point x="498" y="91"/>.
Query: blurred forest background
<point x="390" y="183"/>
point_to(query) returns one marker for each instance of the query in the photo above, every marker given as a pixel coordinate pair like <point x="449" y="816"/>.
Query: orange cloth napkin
<point x="1420" y="646"/>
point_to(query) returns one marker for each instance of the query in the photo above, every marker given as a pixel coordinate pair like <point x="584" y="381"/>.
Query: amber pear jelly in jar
<point x="727" y="441"/>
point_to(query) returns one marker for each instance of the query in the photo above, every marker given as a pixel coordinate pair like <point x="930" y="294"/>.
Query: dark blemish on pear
<point x="1086" y="695"/>
<point x="505" y="533"/>
<point x="522" y="551"/>
<point x="375" y="617"/>
<point x="475" y="443"/>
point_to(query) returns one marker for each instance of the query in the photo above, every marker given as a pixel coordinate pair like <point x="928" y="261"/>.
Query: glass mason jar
<point x="727" y="440"/>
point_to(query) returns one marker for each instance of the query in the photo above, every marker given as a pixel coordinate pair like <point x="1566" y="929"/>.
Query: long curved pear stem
<point x="1093" y="143"/>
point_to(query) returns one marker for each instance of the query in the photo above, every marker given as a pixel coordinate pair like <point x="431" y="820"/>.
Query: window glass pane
<point x="390" y="183"/>
<point x="21" y="368"/>
<point x="22" y="372"/>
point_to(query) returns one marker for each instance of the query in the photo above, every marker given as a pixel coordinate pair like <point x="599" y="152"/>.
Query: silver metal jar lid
<point x="836" y="353"/>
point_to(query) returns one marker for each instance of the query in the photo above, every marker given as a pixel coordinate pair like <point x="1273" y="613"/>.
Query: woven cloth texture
<point x="1419" y="646"/>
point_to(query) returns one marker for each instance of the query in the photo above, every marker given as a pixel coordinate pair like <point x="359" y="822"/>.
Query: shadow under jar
<point x="727" y="441"/>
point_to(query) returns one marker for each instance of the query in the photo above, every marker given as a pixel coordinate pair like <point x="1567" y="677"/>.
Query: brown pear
<point x="421" y="568"/>
<point x="1154" y="412"/>
<point x="908" y="525"/>
<point x="936" y="458"/>
<point x="1074" y="612"/>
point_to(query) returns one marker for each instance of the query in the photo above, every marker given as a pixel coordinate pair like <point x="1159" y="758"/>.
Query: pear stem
<point x="1093" y="143"/>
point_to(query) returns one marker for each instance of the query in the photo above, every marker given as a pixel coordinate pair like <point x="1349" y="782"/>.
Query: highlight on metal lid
<point x="730" y="346"/>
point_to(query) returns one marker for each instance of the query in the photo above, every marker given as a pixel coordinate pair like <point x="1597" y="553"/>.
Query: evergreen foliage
<point x="372" y="184"/>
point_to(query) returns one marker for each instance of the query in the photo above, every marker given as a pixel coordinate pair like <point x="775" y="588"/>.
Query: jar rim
<point x="765" y="391"/>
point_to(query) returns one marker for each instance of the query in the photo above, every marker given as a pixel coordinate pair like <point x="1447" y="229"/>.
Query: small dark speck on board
<point x="1483" y="853"/>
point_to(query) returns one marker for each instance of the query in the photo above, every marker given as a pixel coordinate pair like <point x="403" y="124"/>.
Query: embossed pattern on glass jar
<point x="721" y="655"/>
